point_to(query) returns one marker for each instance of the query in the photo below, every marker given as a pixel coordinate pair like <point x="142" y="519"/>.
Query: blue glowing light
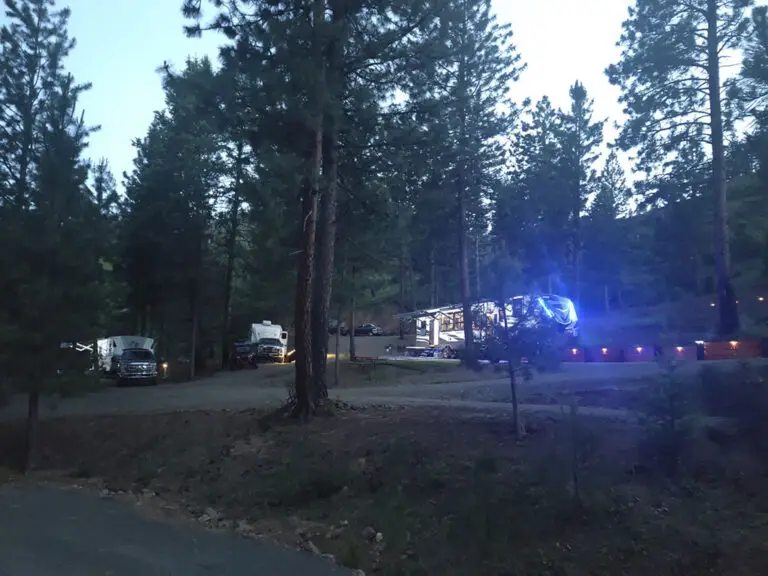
<point x="546" y="309"/>
<point x="572" y="318"/>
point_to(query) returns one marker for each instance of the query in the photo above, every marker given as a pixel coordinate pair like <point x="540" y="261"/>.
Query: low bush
<point x="741" y="397"/>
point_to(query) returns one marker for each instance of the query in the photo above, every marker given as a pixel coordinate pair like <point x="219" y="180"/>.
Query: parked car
<point x="334" y="325"/>
<point x="368" y="330"/>
<point x="137" y="366"/>
<point x="242" y="356"/>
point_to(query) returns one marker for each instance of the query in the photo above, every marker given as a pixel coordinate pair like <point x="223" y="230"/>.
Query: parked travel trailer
<point x="109" y="350"/>
<point x="438" y="328"/>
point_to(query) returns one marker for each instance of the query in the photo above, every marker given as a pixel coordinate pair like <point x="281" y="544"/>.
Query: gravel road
<point x="241" y="390"/>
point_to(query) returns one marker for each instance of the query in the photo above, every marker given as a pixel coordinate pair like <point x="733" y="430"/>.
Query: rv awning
<point x="428" y="313"/>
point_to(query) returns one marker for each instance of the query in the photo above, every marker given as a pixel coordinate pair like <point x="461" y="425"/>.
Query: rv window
<point x="458" y="321"/>
<point x="284" y="335"/>
<point x="517" y="307"/>
<point x="446" y="323"/>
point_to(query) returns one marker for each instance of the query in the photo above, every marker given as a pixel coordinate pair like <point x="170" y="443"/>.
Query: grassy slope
<point x="681" y="322"/>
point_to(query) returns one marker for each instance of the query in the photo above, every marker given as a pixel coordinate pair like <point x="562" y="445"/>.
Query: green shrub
<point x="741" y="396"/>
<point x="666" y="417"/>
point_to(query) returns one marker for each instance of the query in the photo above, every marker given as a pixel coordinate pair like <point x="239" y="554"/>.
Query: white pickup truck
<point x="270" y="340"/>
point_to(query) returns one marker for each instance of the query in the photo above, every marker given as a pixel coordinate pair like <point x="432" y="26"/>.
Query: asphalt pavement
<point x="49" y="531"/>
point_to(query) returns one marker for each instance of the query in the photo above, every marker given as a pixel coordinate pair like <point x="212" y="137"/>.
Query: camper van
<point x="270" y="340"/>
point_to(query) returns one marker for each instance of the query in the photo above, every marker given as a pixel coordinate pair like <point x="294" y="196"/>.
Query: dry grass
<point x="421" y="491"/>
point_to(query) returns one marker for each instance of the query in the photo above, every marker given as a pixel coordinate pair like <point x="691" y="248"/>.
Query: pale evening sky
<point x="121" y="43"/>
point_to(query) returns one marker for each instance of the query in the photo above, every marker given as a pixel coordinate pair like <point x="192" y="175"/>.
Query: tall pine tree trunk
<point x="726" y="296"/>
<point x="323" y="282"/>
<point x="401" y="302"/>
<point x="326" y="244"/>
<point x="305" y="395"/>
<point x="303" y="318"/>
<point x="231" y="244"/>
<point x="466" y="294"/>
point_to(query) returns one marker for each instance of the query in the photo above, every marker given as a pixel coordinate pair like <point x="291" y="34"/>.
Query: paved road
<point x="241" y="390"/>
<point x="47" y="531"/>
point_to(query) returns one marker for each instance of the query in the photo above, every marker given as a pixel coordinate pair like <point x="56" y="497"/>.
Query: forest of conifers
<point x="354" y="153"/>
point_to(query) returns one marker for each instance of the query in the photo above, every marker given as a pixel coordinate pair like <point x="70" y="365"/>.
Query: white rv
<point x="109" y="350"/>
<point x="271" y="341"/>
<point x="438" y="328"/>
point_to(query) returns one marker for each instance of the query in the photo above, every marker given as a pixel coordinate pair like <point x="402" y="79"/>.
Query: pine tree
<point x="533" y="213"/>
<point x="580" y="139"/>
<point x="603" y="234"/>
<point x="168" y="210"/>
<point x="52" y="290"/>
<point x="673" y="92"/>
<point x="473" y="62"/>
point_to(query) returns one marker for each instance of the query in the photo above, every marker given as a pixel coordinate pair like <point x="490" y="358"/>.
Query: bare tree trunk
<point x="193" y="345"/>
<point x="32" y="432"/>
<point x="401" y="307"/>
<point x="516" y="422"/>
<point x="477" y="267"/>
<point x="336" y="359"/>
<point x="342" y="290"/>
<point x="432" y="279"/>
<point x="466" y="295"/>
<point x="577" y="287"/>
<point x="352" y="351"/>
<point x="163" y="347"/>
<point x="231" y="244"/>
<point x="143" y="321"/>
<point x="728" y="310"/>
